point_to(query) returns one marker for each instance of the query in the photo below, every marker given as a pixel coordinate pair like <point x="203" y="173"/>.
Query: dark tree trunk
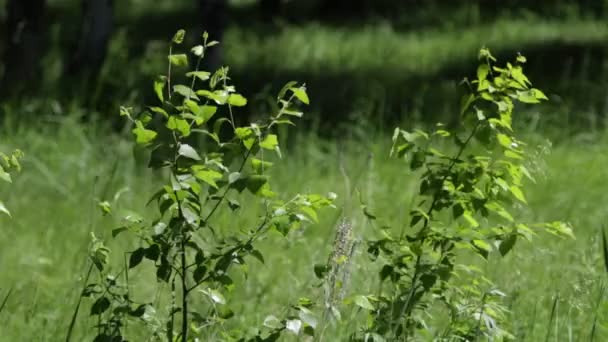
<point x="95" y="31"/>
<point x="25" y="43"/>
<point x="214" y="19"/>
<point x="270" y="8"/>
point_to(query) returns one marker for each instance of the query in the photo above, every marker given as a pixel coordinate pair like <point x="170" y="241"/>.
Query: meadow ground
<point x="69" y="167"/>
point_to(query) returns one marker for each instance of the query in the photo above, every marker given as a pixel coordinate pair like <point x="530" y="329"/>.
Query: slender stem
<point x="172" y="319"/>
<point x="169" y="73"/>
<point x="184" y="293"/>
<point x="216" y="206"/>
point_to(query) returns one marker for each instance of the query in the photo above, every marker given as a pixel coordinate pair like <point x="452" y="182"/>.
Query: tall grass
<point x="42" y="248"/>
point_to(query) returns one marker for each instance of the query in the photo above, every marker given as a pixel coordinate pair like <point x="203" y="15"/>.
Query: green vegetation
<point x="68" y="168"/>
<point x="231" y="231"/>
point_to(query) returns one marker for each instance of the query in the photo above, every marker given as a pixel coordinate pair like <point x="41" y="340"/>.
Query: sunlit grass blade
<point x="68" y="337"/>
<point x="5" y="300"/>
<point x="552" y="317"/>
<point x="597" y="307"/>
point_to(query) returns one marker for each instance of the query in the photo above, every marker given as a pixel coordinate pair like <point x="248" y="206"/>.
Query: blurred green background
<point x="369" y="66"/>
<point x="362" y="59"/>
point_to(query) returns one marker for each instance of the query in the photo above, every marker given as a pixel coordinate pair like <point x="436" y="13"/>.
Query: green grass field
<point x="67" y="167"/>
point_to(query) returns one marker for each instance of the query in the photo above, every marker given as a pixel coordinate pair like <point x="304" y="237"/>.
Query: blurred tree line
<point x="87" y="27"/>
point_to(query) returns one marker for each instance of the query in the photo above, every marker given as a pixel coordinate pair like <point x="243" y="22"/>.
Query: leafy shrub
<point x="190" y="250"/>
<point x="471" y="181"/>
<point x="465" y="198"/>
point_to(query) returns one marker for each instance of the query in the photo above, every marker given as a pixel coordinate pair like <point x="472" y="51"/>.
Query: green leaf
<point x="4" y="210"/>
<point x="559" y="228"/>
<point x="482" y="247"/>
<point x="185" y="91"/>
<point x="178" y="38"/>
<point x="105" y="207"/>
<point x="504" y="140"/>
<point x="233" y="177"/>
<point x="300" y="94"/>
<point x="293" y="325"/>
<point x="136" y="257"/>
<point x="208" y="176"/>
<point x="521" y="59"/>
<point x="363" y="302"/>
<point x="507" y="244"/>
<point x="308" y="317"/>
<point x="216" y="296"/>
<point x="201" y="75"/>
<point x="159" y="110"/>
<point x="143" y="136"/>
<point x="259" y="166"/>
<point x="177" y="124"/>
<point x="197" y="51"/>
<point x="482" y="72"/>
<point x="207" y="112"/>
<point x="270" y="142"/>
<point x="246" y="135"/>
<point x="256" y="182"/>
<point x="219" y="96"/>
<point x="233" y="204"/>
<point x="516" y="191"/>
<point x="470" y="219"/>
<point x="159" y="87"/>
<point x="100" y="306"/>
<point x="180" y="60"/>
<point x="5" y="176"/>
<point x="117" y="231"/>
<point x="237" y="100"/>
<point x="272" y="322"/>
<point x="258" y="255"/>
<point x="320" y="270"/>
<point x="285" y="88"/>
<point x="152" y="252"/>
<point x="163" y="272"/>
<point x="539" y="94"/>
<point x="531" y="96"/>
<point x="199" y="273"/>
<point x="188" y="152"/>
<point x="190" y="215"/>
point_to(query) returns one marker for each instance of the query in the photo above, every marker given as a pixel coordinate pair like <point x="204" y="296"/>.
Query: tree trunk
<point x="270" y="8"/>
<point x="95" y="31"/>
<point x="25" y="42"/>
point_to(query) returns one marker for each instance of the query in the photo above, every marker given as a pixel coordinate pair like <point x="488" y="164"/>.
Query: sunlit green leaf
<point x="208" y="176"/>
<point x="270" y="142"/>
<point x="143" y="136"/>
<point x="300" y="94"/>
<point x="178" y="38"/>
<point x="237" y="100"/>
<point x="363" y="302"/>
<point x="188" y="152"/>
<point x="179" y="60"/>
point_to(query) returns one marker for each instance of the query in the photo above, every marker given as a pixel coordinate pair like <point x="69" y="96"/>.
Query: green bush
<point x="471" y="183"/>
